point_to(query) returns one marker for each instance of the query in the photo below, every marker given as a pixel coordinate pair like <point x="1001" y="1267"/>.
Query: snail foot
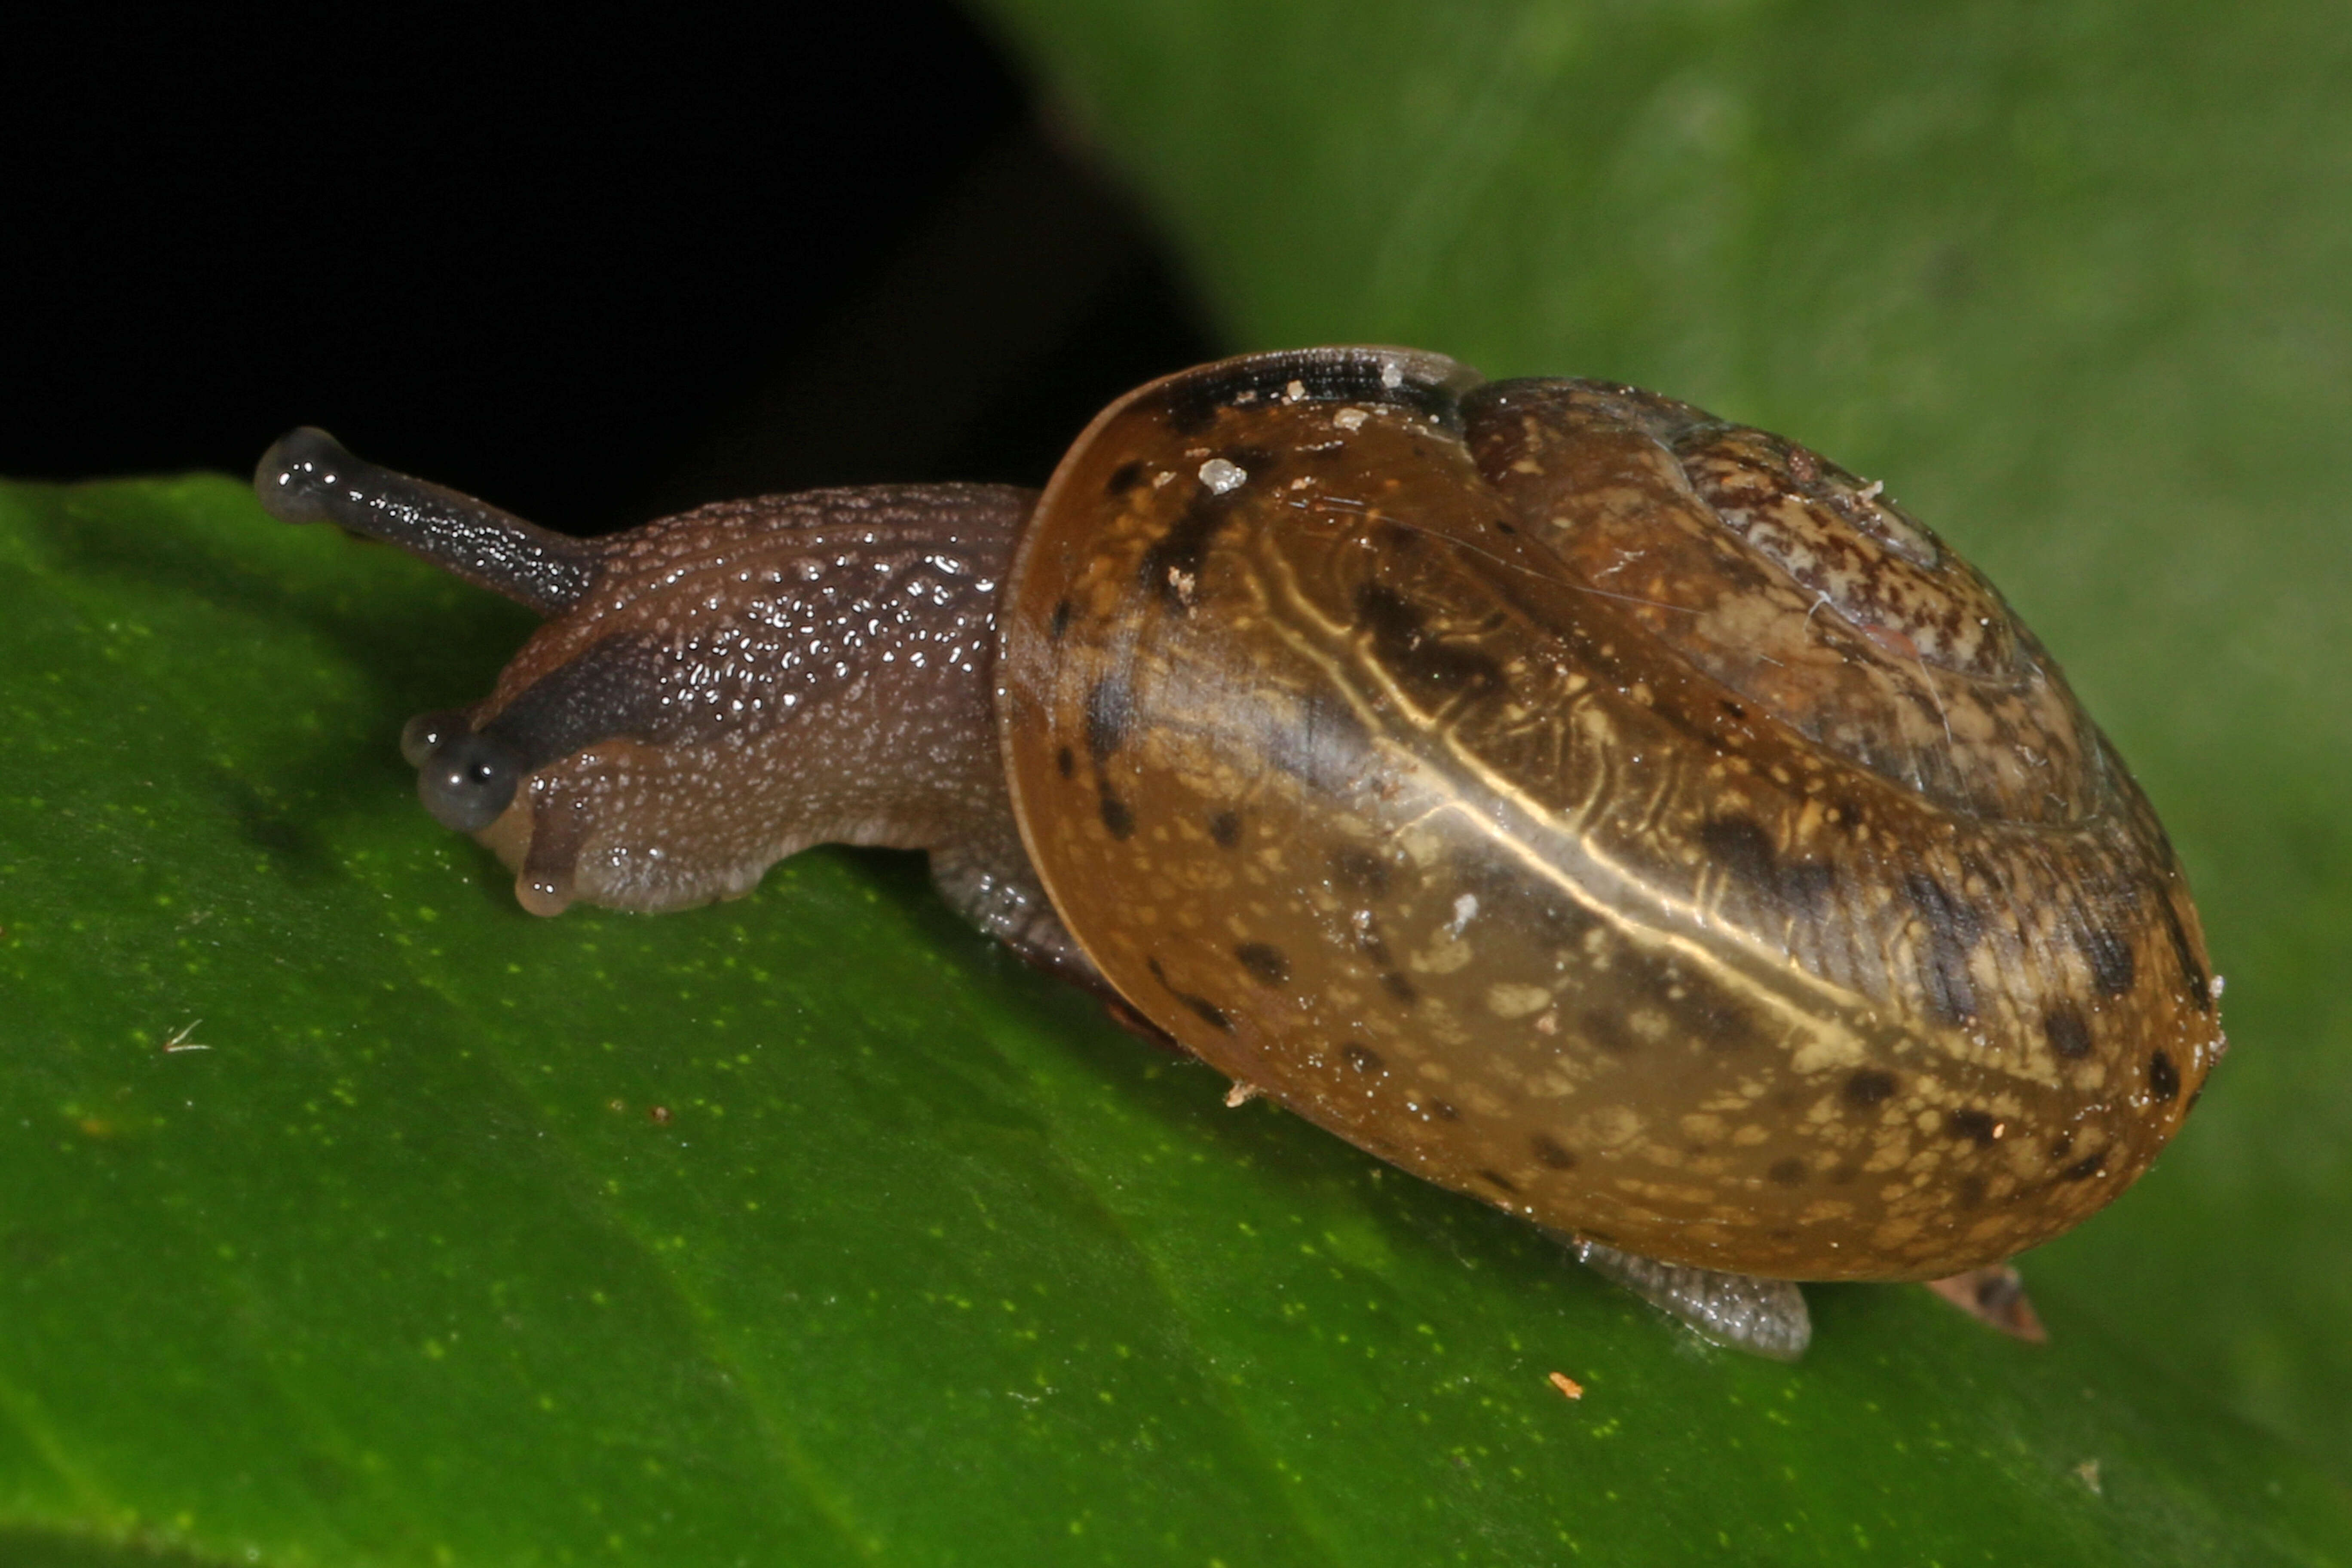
<point x="1762" y="1317"/>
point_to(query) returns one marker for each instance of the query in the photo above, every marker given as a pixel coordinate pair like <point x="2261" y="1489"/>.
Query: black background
<point x="590" y="274"/>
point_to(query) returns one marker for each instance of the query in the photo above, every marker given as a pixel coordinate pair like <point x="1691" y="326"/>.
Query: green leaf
<point x="810" y="1229"/>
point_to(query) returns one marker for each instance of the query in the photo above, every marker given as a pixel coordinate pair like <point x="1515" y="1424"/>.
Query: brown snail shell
<point x="1623" y="816"/>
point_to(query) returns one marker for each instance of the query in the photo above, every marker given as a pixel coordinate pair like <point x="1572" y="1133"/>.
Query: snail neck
<point x="751" y="678"/>
<point x="716" y="690"/>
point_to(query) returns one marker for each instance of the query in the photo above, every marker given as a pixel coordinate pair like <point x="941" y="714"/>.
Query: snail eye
<point x="467" y="779"/>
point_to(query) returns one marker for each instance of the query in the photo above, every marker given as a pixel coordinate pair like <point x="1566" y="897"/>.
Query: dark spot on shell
<point x="1607" y="1031"/>
<point x="2070" y="1037"/>
<point x="1549" y="1153"/>
<point x="1175" y="558"/>
<point x="1117" y="819"/>
<point x="1359" y="871"/>
<point x="1189" y="415"/>
<point x="1787" y="1172"/>
<point x="1207" y="1011"/>
<point x="1952" y="928"/>
<point x="1443" y="1111"/>
<point x="1364" y="1059"/>
<point x="1715" y="1019"/>
<point x="1397" y="986"/>
<point x="1805" y="887"/>
<point x="2083" y="1169"/>
<point x="1696" y="1009"/>
<point x="2163" y="1077"/>
<point x="1561" y="921"/>
<point x="1499" y="1182"/>
<point x="1125" y="478"/>
<point x="1060" y="621"/>
<point x="1971" y="1192"/>
<point x="1430" y="669"/>
<point x="1869" y="1087"/>
<point x="1502" y="527"/>
<point x="1264" y="962"/>
<point x="1110" y="706"/>
<point x="1323" y="743"/>
<point x="1743" y="848"/>
<point x="1975" y="1126"/>
<point x="2201" y="988"/>
<point x="2062" y="1145"/>
<point x="1225" y="829"/>
<point x="1745" y="851"/>
<point x="1515" y="901"/>
<point x="1255" y="461"/>
<point x="1066" y="761"/>
<point x="1734" y="708"/>
<point x="2109" y="956"/>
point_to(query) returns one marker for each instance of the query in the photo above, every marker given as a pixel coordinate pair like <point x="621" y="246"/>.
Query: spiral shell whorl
<point x="1802" y="590"/>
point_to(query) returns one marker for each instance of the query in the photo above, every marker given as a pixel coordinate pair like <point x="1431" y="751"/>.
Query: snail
<point x="1620" y="815"/>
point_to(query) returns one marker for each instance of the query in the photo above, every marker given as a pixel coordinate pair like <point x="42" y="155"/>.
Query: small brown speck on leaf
<point x="2087" y="1472"/>
<point x="1569" y="1386"/>
<point x="659" y="1114"/>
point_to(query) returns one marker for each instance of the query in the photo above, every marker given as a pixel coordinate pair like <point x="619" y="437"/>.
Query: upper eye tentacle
<point x="307" y="477"/>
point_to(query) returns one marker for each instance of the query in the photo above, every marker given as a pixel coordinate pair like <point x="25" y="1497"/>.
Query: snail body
<point x="1621" y="817"/>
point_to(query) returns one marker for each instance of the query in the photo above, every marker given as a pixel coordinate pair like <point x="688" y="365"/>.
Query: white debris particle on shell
<point x="1221" y="477"/>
